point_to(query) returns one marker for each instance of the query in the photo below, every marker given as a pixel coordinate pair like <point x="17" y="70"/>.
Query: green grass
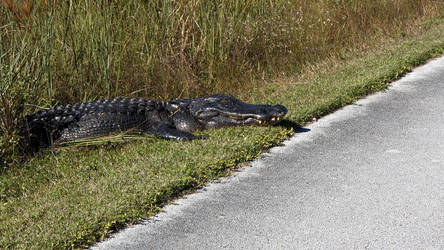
<point x="73" y="196"/>
<point x="311" y="56"/>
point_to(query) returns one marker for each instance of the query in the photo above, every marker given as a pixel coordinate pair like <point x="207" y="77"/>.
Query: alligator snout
<point x="279" y="111"/>
<point x="256" y="114"/>
<point x="268" y="113"/>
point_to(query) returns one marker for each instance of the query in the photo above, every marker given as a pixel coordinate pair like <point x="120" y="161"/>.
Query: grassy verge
<point x="74" y="196"/>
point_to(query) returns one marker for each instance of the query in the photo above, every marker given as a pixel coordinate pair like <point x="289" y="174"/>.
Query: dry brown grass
<point x="168" y="49"/>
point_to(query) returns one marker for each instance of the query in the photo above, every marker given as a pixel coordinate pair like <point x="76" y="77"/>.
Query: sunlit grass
<point x="72" y="196"/>
<point x="311" y="56"/>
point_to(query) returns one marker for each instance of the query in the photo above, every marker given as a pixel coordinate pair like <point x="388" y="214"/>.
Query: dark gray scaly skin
<point x="170" y="120"/>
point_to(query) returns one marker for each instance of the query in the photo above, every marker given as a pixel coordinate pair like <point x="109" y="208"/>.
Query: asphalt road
<point x="369" y="176"/>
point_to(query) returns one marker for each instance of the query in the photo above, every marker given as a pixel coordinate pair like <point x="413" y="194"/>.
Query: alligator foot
<point x="171" y="133"/>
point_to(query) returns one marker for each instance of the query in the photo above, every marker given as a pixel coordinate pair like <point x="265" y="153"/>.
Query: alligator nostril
<point x="280" y="109"/>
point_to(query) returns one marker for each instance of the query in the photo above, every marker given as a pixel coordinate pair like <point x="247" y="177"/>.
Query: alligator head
<point x="221" y="110"/>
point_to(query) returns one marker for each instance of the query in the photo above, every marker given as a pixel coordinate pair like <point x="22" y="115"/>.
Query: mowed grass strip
<point x="71" y="197"/>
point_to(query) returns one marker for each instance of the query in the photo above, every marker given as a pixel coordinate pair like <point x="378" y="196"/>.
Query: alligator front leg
<point x="168" y="132"/>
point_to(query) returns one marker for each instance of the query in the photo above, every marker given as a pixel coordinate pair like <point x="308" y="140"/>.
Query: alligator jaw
<point x="261" y="122"/>
<point x="273" y="120"/>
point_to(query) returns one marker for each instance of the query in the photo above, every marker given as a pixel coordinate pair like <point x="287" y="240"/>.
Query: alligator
<point x="171" y="120"/>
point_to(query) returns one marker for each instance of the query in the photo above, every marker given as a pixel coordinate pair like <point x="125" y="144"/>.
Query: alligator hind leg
<point x="168" y="132"/>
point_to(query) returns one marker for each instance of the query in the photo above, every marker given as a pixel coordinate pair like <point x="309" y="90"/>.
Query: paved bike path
<point x="370" y="175"/>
